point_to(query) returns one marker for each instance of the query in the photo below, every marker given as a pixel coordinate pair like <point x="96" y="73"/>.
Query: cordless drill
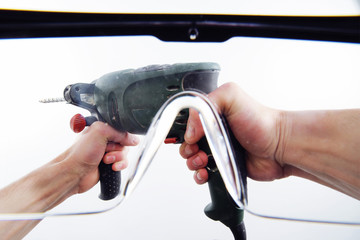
<point x="129" y="99"/>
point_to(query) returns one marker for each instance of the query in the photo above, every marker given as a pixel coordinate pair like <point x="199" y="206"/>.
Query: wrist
<point x="283" y="126"/>
<point x="303" y="135"/>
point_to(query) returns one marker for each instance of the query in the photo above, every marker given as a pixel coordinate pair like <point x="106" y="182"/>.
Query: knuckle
<point x="97" y="127"/>
<point x="182" y="150"/>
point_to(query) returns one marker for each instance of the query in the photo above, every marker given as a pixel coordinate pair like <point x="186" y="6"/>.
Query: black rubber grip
<point x="109" y="182"/>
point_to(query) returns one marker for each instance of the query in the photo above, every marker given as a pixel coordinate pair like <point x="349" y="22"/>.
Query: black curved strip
<point x="177" y="27"/>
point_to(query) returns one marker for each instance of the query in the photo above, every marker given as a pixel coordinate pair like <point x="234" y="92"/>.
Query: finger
<point x="194" y="130"/>
<point x="112" y="135"/>
<point x="197" y="161"/>
<point x="117" y="159"/>
<point x="115" y="156"/>
<point x="188" y="150"/>
<point x="118" y="166"/>
<point x="111" y="146"/>
<point x="201" y="176"/>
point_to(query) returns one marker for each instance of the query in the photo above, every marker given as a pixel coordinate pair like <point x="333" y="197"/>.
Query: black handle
<point x="223" y="208"/>
<point x="110" y="181"/>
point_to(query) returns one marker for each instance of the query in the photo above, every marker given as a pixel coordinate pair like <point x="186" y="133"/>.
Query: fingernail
<point x="198" y="176"/>
<point x="197" y="161"/>
<point x="119" y="166"/>
<point x="190" y="132"/>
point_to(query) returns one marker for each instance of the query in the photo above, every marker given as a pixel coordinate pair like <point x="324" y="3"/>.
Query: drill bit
<point x="52" y="100"/>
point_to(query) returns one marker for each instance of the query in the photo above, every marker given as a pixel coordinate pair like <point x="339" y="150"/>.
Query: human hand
<point x="98" y="142"/>
<point x="255" y="126"/>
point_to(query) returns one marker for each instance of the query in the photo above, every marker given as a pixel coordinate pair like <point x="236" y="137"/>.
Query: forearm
<point x="325" y="146"/>
<point x="39" y="191"/>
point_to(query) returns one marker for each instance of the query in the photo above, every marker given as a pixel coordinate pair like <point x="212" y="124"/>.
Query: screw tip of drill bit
<point x="52" y="100"/>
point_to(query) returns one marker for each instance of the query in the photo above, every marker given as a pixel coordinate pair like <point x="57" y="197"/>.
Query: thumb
<point x="194" y="131"/>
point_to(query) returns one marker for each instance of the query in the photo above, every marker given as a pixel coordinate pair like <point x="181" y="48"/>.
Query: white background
<point x="284" y="74"/>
